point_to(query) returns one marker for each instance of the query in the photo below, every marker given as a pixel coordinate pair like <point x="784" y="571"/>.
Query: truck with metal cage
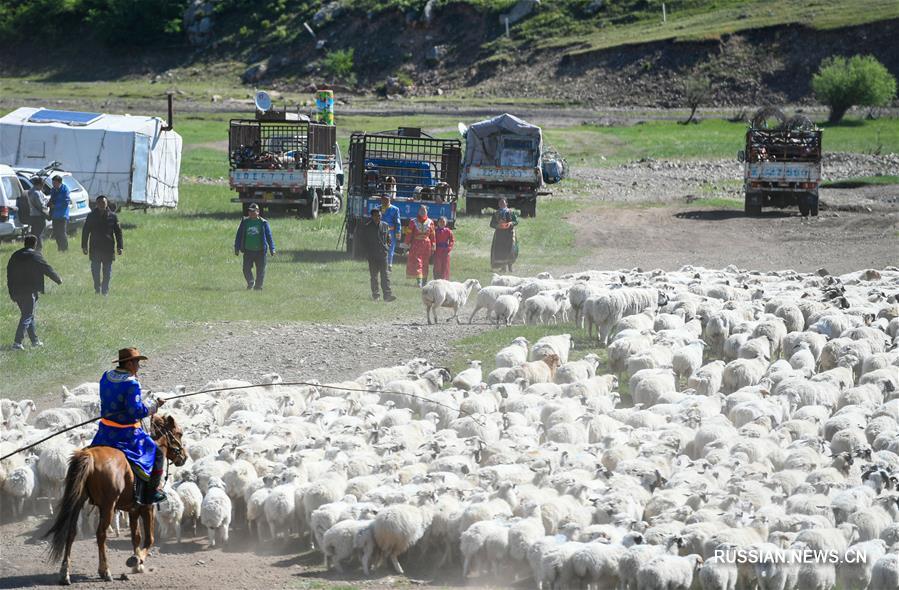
<point x="414" y="167"/>
<point x="781" y="163"/>
<point x="284" y="162"/>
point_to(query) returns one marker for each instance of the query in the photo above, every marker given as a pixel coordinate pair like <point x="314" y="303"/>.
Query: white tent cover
<point x="130" y="159"/>
<point x="482" y="141"/>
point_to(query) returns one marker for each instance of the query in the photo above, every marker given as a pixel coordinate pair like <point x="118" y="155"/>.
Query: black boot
<point x="151" y="492"/>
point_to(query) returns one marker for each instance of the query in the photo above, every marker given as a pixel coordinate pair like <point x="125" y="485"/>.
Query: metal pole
<point x="664" y="15"/>
<point x="507" y="26"/>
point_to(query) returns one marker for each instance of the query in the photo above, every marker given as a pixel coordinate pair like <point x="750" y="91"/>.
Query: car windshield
<point x="73" y="184"/>
<point x="11" y="187"/>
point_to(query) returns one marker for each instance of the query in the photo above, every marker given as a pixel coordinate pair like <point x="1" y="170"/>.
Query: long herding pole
<point x="292" y="383"/>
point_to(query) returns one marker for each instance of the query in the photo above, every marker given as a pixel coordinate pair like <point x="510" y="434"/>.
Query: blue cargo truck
<point x="419" y="163"/>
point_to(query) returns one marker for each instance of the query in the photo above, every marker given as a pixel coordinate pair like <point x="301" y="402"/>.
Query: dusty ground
<point x="639" y="215"/>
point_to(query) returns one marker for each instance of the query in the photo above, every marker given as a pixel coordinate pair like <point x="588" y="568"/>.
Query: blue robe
<point x="120" y="402"/>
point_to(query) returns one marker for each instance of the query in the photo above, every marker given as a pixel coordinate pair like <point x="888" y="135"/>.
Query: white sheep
<point x="506" y="308"/>
<point x="484" y="542"/>
<point x="687" y="360"/>
<point x="543" y="307"/>
<point x="215" y="511"/>
<point x="559" y="344"/>
<point x="574" y="371"/>
<point x="192" y="500"/>
<point x="470" y="377"/>
<point x="856" y="566"/>
<point x="341" y="544"/>
<point x="169" y="514"/>
<point x="669" y="572"/>
<point x="514" y="354"/>
<point x="489" y="296"/>
<point x="396" y="529"/>
<point x="440" y="293"/>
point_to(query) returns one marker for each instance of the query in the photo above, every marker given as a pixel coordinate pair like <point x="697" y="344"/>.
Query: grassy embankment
<point x="179" y="272"/>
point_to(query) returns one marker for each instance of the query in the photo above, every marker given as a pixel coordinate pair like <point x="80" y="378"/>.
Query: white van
<point x="10" y="190"/>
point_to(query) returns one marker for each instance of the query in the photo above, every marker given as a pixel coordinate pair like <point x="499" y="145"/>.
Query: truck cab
<point x="424" y="168"/>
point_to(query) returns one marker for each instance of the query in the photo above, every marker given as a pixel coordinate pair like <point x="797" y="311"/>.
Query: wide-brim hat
<point x="129" y="354"/>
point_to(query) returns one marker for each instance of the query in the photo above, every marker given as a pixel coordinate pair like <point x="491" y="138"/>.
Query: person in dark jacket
<point x="374" y="239"/>
<point x="25" y="274"/>
<point x="37" y="206"/>
<point x="101" y="239"/>
<point x="254" y="239"/>
<point x="59" y="212"/>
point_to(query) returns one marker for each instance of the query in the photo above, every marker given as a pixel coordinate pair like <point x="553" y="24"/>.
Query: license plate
<point x="82" y="205"/>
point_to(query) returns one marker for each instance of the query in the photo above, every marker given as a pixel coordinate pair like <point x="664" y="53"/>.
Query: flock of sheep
<point x="736" y="413"/>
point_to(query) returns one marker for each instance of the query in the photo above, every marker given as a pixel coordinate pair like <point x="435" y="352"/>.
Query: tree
<point x="696" y="90"/>
<point x="842" y="83"/>
<point x="340" y="64"/>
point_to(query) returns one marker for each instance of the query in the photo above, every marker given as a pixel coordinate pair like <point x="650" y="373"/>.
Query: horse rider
<point x="122" y="409"/>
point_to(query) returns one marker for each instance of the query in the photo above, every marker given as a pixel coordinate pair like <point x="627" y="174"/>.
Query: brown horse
<point x="103" y="476"/>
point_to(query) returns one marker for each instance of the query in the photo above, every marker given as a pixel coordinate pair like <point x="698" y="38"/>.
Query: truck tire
<point x="473" y="206"/>
<point x="813" y="205"/>
<point x="752" y="210"/>
<point x="310" y="211"/>
<point x="529" y="209"/>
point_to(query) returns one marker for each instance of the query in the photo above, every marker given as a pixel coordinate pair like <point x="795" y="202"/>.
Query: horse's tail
<point x="81" y="464"/>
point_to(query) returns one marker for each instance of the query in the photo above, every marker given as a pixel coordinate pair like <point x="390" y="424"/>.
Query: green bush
<point x="842" y="83"/>
<point x="339" y="65"/>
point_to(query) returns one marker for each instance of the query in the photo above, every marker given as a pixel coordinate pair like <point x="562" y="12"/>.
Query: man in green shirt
<point x="254" y="239"/>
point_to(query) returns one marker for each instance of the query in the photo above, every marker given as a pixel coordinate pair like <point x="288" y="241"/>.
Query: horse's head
<point x="167" y="432"/>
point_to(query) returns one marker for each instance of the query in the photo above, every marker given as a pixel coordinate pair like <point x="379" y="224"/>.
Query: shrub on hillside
<point x="842" y="83"/>
<point x="339" y="65"/>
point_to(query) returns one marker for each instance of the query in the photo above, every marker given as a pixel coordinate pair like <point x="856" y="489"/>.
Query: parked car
<point x="10" y="189"/>
<point x="79" y="200"/>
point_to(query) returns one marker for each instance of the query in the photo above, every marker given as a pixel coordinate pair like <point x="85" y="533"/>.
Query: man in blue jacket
<point x="59" y="212"/>
<point x="254" y="239"/>
<point x="390" y="214"/>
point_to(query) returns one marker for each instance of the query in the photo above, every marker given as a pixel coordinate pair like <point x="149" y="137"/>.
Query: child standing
<point x="445" y="242"/>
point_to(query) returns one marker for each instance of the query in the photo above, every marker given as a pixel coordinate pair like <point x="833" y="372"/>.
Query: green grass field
<point x="179" y="272"/>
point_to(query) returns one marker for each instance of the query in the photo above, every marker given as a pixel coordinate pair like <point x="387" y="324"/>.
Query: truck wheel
<point x="473" y="206"/>
<point x="813" y="205"/>
<point x="312" y="208"/>
<point x="804" y="202"/>
<point x="752" y="210"/>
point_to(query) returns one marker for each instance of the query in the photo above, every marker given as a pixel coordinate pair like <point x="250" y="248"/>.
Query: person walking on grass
<point x="59" y="213"/>
<point x="254" y="239"/>
<point x="101" y="239"/>
<point x="37" y="210"/>
<point x="445" y="242"/>
<point x="25" y="274"/>
<point x="421" y="245"/>
<point x="375" y="239"/>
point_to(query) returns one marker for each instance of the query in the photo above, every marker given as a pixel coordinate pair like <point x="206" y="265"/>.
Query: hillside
<point x="587" y="52"/>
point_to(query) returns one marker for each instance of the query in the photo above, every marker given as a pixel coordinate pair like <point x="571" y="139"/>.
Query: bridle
<point x="176" y="448"/>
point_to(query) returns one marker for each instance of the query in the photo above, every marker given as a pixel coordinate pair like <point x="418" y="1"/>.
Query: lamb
<point x="560" y="345"/>
<point x="575" y="371"/>
<point x="192" y="500"/>
<point x="488" y="297"/>
<point x="707" y="379"/>
<point x="543" y="307"/>
<point x="169" y="514"/>
<point x="669" y="572"/>
<point x="341" y="543"/>
<point x="506" y="308"/>
<point x="398" y="528"/>
<point x="470" y="377"/>
<point x="885" y="573"/>
<point x="215" y="511"/>
<point x="541" y="371"/>
<point x="514" y="354"/>
<point x="856" y="566"/>
<point x="256" y="510"/>
<point x="279" y="509"/>
<point x="440" y="293"/>
<point x="687" y="360"/>
<point x="20" y="484"/>
<point x="484" y="542"/>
